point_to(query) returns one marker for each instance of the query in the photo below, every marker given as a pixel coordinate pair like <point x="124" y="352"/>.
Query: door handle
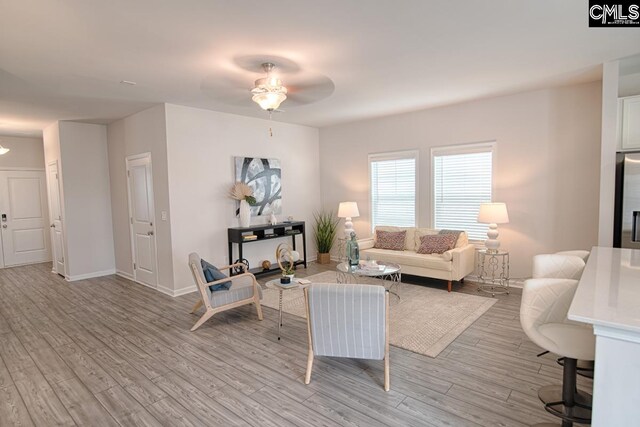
<point x="4" y="225"/>
<point x="150" y="233"/>
<point x="52" y="226"/>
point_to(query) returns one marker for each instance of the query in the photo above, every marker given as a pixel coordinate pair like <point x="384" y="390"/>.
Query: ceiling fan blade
<point x="227" y="90"/>
<point x="309" y="90"/>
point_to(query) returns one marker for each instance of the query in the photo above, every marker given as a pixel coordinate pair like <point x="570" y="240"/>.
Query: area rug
<point x="423" y="321"/>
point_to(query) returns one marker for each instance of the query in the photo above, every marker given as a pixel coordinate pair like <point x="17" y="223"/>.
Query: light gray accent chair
<point x="346" y="320"/>
<point x="543" y="316"/>
<point x="244" y="290"/>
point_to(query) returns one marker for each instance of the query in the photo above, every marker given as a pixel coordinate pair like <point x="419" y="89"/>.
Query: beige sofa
<point x="454" y="264"/>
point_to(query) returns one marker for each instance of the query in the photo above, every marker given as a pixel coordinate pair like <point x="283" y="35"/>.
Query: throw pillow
<point x="393" y="240"/>
<point x="456" y="233"/>
<point x="211" y="274"/>
<point x="437" y="243"/>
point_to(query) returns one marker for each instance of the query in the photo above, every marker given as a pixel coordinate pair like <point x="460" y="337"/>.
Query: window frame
<point x="466" y="148"/>
<point x="395" y="155"/>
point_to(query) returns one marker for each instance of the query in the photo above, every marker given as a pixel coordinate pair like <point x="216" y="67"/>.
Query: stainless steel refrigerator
<point x="627" y="220"/>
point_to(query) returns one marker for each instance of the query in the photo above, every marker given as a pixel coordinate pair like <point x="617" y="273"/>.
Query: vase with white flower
<point x="244" y="194"/>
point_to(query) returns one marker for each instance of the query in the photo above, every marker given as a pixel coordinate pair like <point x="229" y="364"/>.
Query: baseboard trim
<point x="184" y="291"/>
<point x="125" y="275"/>
<point x="90" y="275"/>
<point x="177" y="292"/>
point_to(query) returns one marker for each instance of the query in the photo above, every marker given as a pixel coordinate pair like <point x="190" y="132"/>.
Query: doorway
<point x="23" y="217"/>
<point x="142" y="219"/>
<point x="55" y="207"/>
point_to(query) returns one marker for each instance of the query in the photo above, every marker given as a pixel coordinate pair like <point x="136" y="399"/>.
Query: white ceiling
<point x="63" y="60"/>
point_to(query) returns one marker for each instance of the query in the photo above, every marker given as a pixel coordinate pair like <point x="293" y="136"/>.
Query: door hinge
<point x="131" y="220"/>
<point x="56" y="176"/>
<point x="134" y="266"/>
<point x="128" y="173"/>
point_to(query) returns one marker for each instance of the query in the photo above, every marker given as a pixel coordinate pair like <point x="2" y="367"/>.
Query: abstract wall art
<point x="264" y="177"/>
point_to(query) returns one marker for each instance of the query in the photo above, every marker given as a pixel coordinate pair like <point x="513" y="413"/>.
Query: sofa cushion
<point x="409" y="243"/>
<point x="422" y="232"/>
<point x="437" y="244"/>
<point x="463" y="239"/>
<point x="436" y="262"/>
<point x="393" y="240"/>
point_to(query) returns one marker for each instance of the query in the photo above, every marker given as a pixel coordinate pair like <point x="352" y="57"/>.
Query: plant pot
<point x="285" y="280"/>
<point x="245" y="214"/>
<point x="324" y="258"/>
<point x="290" y="276"/>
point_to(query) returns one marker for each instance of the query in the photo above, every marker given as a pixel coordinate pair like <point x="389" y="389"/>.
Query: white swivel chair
<point x="558" y="266"/>
<point x="543" y="315"/>
<point x="563" y="265"/>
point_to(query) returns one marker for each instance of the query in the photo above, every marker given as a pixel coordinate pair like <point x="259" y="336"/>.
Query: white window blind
<point x="393" y="189"/>
<point x="461" y="181"/>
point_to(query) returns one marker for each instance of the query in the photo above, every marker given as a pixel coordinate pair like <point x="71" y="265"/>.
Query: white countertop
<point x="609" y="290"/>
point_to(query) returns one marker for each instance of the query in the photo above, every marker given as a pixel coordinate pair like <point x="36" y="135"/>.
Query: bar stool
<point x="563" y="265"/>
<point x="543" y="315"/>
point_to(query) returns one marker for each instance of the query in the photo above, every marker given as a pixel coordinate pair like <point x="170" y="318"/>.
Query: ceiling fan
<point x="280" y="81"/>
<point x="269" y="91"/>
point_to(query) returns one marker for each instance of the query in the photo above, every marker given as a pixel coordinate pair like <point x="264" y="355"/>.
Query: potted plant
<point x="325" y="230"/>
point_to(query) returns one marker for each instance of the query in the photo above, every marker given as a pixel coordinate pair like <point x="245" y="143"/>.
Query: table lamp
<point x="493" y="214"/>
<point x="348" y="210"/>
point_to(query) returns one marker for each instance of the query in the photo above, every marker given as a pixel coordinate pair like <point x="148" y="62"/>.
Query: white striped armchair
<point x="345" y="320"/>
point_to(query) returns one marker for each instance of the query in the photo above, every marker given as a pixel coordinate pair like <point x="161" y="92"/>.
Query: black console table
<point x="267" y="232"/>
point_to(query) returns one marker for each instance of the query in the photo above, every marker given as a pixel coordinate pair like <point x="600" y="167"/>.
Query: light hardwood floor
<point x="111" y="352"/>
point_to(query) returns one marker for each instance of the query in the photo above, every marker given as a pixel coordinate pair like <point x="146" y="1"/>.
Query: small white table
<point x="493" y="272"/>
<point x="275" y="284"/>
<point x="390" y="276"/>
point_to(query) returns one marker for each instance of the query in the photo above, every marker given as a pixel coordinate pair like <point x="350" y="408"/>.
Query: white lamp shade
<point x="348" y="210"/>
<point x="493" y="213"/>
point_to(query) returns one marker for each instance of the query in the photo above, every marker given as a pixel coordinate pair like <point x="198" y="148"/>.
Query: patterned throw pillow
<point x="437" y="243"/>
<point x="393" y="240"/>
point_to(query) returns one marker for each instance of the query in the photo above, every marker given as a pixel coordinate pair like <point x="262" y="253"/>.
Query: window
<point x="462" y="177"/>
<point x="393" y="188"/>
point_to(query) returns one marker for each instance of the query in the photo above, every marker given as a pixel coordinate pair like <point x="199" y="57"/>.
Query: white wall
<point x="25" y="152"/>
<point x="87" y="199"/>
<point x="143" y="132"/>
<point x="608" y="146"/>
<point x="81" y="152"/>
<point x="546" y="167"/>
<point x="201" y="148"/>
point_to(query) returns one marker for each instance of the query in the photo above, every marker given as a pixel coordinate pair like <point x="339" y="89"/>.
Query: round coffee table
<point x="275" y="284"/>
<point x="388" y="273"/>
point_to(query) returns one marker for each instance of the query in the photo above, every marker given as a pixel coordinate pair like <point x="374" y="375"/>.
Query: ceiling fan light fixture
<point x="269" y="101"/>
<point x="3" y="150"/>
<point x="269" y="92"/>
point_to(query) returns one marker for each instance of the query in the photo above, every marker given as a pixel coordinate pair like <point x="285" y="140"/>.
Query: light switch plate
<point x="163" y="215"/>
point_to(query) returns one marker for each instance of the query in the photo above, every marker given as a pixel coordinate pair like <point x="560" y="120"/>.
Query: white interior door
<point x="142" y="219"/>
<point x="23" y="217"/>
<point x="55" y="216"/>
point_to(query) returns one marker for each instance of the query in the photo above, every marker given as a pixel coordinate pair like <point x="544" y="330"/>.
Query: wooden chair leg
<point x="449" y="285"/>
<point x="258" y="306"/>
<point x="387" y="386"/>
<point x="196" y="306"/>
<point x="307" y="377"/>
<point x="206" y="316"/>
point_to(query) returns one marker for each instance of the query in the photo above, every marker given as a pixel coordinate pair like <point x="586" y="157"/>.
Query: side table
<point x="275" y="284"/>
<point x="493" y="271"/>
